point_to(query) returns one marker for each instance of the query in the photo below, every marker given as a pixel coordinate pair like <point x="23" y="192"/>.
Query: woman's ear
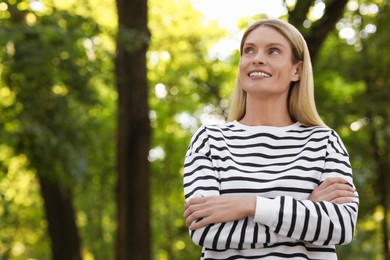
<point x="297" y="71"/>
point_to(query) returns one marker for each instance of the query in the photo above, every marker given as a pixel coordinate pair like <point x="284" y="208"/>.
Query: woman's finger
<point x="332" y="181"/>
<point x="338" y="194"/>
<point x="343" y="200"/>
<point x="333" y="189"/>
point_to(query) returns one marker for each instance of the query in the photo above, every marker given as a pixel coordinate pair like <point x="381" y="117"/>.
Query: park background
<point x="98" y="101"/>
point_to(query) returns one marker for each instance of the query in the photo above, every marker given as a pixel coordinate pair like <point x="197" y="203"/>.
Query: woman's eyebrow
<point x="249" y="44"/>
<point x="271" y="44"/>
<point x="274" y="44"/>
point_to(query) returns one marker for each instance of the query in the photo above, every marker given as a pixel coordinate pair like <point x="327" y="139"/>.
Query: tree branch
<point x="321" y="28"/>
<point x="298" y="15"/>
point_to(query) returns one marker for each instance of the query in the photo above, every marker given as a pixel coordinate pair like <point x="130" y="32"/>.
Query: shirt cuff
<point x="266" y="210"/>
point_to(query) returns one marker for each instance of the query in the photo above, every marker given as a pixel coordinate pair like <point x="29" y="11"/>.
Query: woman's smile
<point x="259" y="74"/>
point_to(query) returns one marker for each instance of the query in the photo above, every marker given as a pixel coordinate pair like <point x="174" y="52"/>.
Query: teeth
<point x="259" y="74"/>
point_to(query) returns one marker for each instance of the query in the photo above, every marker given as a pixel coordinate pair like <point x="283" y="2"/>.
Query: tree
<point x="47" y="86"/>
<point x="318" y="30"/>
<point x="354" y="79"/>
<point x="377" y="109"/>
<point x="133" y="230"/>
<point x="51" y="124"/>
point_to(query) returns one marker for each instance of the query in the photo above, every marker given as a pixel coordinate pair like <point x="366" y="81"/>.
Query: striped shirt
<point x="281" y="166"/>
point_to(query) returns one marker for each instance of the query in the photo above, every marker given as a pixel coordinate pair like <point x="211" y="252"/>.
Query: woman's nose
<point x="259" y="59"/>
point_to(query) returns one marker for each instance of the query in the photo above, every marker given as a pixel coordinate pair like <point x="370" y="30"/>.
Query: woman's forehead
<point x="266" y="34"/>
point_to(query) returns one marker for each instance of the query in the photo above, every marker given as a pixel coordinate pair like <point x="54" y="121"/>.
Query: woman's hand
<point x="218" y="209"/>
<point x="335" y="189"/>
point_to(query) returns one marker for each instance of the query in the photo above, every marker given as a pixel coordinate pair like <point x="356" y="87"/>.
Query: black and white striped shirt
<point x="281" y="166"/>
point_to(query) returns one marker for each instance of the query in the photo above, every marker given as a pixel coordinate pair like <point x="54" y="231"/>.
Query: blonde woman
<point x="274" y="182"/>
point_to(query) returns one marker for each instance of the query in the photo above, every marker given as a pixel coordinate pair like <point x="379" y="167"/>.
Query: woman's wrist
<point x="250" y="206"/>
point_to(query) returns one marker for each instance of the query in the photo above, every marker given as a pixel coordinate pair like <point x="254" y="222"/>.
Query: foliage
<point x="52" y="120"/>
<point x="346" y="71"/>
<point x="58" y="112"/>
<point x="184" y="78"/>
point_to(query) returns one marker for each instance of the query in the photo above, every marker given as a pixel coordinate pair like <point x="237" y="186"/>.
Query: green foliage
<point x="352" y="87"/>
<point x="183" y="78"/>
<point x="54" y="122"/>
<point x="22" y="228"/>
<point x="58" y="113"/>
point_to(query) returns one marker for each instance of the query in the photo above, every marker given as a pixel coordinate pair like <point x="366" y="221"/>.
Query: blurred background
<point x="60" y="92"/>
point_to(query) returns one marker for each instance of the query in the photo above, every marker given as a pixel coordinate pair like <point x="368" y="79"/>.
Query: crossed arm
<point x="328" y="217"/>
<point x="219" y="209"/>
<point x="216" y="221"/>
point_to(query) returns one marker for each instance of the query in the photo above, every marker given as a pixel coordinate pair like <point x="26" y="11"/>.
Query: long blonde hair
<point x="301" y="103"/>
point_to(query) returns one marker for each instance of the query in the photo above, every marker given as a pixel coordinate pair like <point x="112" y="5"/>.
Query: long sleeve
<point x="321" y="223"/>
<point x="278" y="219"/>
<point x="201" y="179"/>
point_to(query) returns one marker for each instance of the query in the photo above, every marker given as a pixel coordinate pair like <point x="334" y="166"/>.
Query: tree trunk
<point x="133" y="230"/>
<point x="380" y="155"/>
<point x="61" y="220"/>
<point x="299" y="14"/>
<point x="321" y="28"/>
<point x="62" y="228"/>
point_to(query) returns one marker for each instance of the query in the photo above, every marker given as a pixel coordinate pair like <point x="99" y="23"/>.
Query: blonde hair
<point x="301" y="103"/>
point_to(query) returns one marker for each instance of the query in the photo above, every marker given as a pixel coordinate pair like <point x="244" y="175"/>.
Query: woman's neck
<point x="267" y="112"/>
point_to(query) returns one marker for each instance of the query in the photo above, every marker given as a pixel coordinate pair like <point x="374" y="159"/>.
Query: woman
<point x="274" y="182"/>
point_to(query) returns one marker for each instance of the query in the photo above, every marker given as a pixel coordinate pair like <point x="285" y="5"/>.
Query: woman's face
<point x="266" y="67"/>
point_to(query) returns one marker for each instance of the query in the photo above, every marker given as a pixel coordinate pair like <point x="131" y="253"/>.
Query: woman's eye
<point x="248" y="50"/>
<point x="274" y="51"/>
